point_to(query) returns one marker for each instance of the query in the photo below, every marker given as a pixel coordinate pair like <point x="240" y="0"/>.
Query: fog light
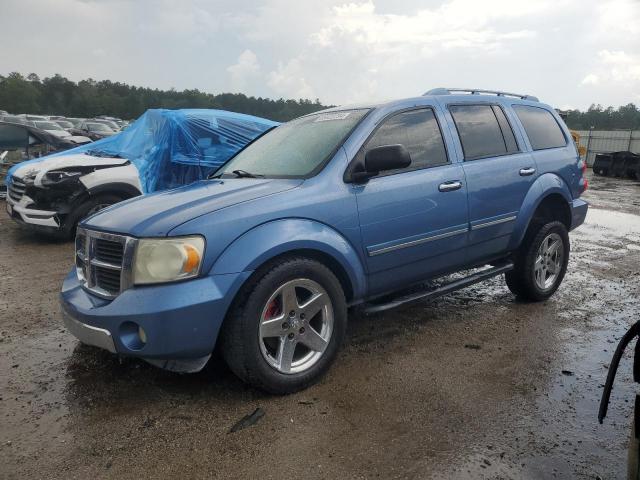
<point x="142" y="334"/>
<point x="132" y="336"/>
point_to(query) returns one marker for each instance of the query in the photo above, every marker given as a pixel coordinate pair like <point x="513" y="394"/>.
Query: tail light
<point x="584" y="184"/>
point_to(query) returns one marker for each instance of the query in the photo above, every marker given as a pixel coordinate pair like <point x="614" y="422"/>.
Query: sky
<point x="569" y="53"/>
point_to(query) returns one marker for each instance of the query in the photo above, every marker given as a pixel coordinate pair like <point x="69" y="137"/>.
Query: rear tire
<point x="541" y="262"/>
<point x="267" y="337"/>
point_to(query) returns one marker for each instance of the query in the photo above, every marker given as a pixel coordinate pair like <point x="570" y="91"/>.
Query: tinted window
<point x="419" y="132"/>
<point x="13" y="136"/>
<point x="541" y="127"/>
<point x="479" y="131"/>
<point x="507" y="132"/>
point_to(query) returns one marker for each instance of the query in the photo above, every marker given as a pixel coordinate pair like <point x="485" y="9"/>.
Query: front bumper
<point x="20" y="212"/>
<point x="181" y="321"/>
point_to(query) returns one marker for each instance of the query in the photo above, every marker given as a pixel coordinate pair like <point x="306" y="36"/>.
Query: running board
<point x="441" y="290"/>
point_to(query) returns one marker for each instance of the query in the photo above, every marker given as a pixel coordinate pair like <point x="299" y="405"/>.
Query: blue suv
<point x="345" y="207"/>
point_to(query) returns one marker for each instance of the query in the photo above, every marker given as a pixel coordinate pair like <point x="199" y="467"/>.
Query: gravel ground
<point x="468" y="386"/>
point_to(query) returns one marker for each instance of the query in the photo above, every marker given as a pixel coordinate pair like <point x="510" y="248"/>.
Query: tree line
<point x="626" y="117"/>
<point x="58" y="95"/>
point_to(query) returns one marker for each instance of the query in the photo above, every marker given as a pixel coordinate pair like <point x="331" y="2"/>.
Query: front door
<point x="413" y="221"/>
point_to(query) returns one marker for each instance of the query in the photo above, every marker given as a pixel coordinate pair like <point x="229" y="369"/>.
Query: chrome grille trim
<point x="16" y="189"/>
<point x="87" y="265"/>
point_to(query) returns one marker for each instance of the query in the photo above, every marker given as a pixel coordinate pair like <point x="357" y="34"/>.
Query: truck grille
<point x="103" y="262"/>
<point x="16" y="189"/>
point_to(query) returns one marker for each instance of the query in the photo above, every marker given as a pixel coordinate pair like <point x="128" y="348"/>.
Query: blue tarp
<point x="176" y="147"/>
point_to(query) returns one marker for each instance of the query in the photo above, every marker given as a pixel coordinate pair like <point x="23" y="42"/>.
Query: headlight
<point x="55" y="177"/>
<point x="160" y="260"/>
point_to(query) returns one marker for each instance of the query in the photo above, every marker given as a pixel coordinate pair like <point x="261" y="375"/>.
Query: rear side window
<point x="541" y="127"/>
<point x="483" y="130"/>
<point x="419" y="132"/>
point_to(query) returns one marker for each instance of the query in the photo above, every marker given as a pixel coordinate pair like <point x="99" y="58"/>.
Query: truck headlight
<point x="158" y="260"/>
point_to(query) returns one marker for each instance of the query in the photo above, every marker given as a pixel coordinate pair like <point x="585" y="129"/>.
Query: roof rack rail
<point x="477" y="91"/>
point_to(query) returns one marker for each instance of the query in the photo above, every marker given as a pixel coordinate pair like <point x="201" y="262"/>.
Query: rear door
<point x="413" y="221"/>
<point x="498" y="172"/>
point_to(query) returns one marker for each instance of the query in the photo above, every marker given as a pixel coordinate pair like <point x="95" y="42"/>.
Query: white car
<point x="54" y="194"/>
<point x="54" y="129"/>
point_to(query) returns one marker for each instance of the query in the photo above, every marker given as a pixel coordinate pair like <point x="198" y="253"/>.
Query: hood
<point x="39" y="168"/>
<point x="79" y="139"/>
<point x="59" y="133"/>
<point x="156" y="214"/>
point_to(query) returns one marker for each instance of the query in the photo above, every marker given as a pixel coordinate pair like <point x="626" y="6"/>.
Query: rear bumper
<point x="180" y="321"/>
<point x="578" y="212"/>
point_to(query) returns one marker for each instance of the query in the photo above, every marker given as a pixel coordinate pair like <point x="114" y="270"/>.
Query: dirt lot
<point x="470" y="386"/>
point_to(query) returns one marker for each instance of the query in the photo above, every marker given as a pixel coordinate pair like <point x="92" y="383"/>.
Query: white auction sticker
<point x="327" y="117"/>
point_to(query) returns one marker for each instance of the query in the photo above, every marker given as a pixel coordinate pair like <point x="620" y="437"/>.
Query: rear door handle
<point x="524" y="172"/>
<point x="450" y="186"/>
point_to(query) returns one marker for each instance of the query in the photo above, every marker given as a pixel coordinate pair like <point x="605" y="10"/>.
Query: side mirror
<point x="386" y="157"/>
<point x="376" y="160"/>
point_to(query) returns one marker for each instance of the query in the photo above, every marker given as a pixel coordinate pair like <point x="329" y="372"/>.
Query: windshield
<point x="48" y="125"/>
<point x="295" y="149"/>
<point x="99" y="127"/>
<point x="64" y="124"/>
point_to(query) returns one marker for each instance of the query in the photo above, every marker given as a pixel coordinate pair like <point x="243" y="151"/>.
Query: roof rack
<point x="477" y="91"/>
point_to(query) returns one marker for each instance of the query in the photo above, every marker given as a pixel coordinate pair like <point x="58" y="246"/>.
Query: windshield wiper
<point x="237" y="173"/>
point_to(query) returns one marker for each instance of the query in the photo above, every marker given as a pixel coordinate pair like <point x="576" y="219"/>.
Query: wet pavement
<point x="468" y="386"/>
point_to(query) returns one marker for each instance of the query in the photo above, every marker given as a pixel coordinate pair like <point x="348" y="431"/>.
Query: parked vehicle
<point x="340" y="208"/>
<point x="64" y="124"/>
<point x="93" y="130"/>
<point x="16" y="119"/>
<point x="54" y="129"/>
<point x="19" y="142"/>
<point x="163" y="150"/>
<point x="111" y="124"/>
<point x="76" y="121"/>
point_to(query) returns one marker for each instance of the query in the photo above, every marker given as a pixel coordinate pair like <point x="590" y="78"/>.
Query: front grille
<point x="16" y="189"/>
<point x="103" y="261"/>
<point x="108" y="251"/>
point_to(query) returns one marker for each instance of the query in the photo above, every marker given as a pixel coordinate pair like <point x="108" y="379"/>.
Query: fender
<point x="274" y="238"/>
<point x="545" y="185"/>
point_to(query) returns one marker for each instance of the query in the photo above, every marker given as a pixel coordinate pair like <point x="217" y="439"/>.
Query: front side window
<point x="296" y="149"/>
<point x="418" y="132"/>
<point x="541" y="127"/>
<point x="480" y="128"/>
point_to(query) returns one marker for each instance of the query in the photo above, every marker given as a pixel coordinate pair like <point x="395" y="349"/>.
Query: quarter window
<point x="483" y="130"/>
<point x="419" y="132"/>
<point x="541" y="127"/>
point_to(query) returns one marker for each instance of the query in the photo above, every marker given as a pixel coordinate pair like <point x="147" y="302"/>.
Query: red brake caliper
<point x="273" y="309"/>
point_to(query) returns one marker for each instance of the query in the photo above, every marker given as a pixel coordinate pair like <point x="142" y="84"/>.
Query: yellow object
<point x="576" y="138"/>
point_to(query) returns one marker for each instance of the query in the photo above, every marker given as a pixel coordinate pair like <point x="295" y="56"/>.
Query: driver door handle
<point x="450" y="186"/>
<point x="524" y="172"/>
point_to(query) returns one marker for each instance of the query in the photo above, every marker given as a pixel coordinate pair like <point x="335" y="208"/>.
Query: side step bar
<point x="441" y="290"/>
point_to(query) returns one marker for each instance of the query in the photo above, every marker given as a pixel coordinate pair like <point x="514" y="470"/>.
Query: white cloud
<point x="288" y="80"/>
<point x="573" y="52"/>
<point x="590" y="79"/>
<point x="245" y="69"/>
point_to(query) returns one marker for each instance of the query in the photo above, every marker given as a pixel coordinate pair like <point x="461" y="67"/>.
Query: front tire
<point x="541" y="262"/>
<point x="88" y="208"/>
<point x="286" y="325"/>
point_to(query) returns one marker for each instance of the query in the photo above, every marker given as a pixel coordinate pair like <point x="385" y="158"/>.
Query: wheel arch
<point x="287" y="237"/>
<point x="548" y="198"/>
